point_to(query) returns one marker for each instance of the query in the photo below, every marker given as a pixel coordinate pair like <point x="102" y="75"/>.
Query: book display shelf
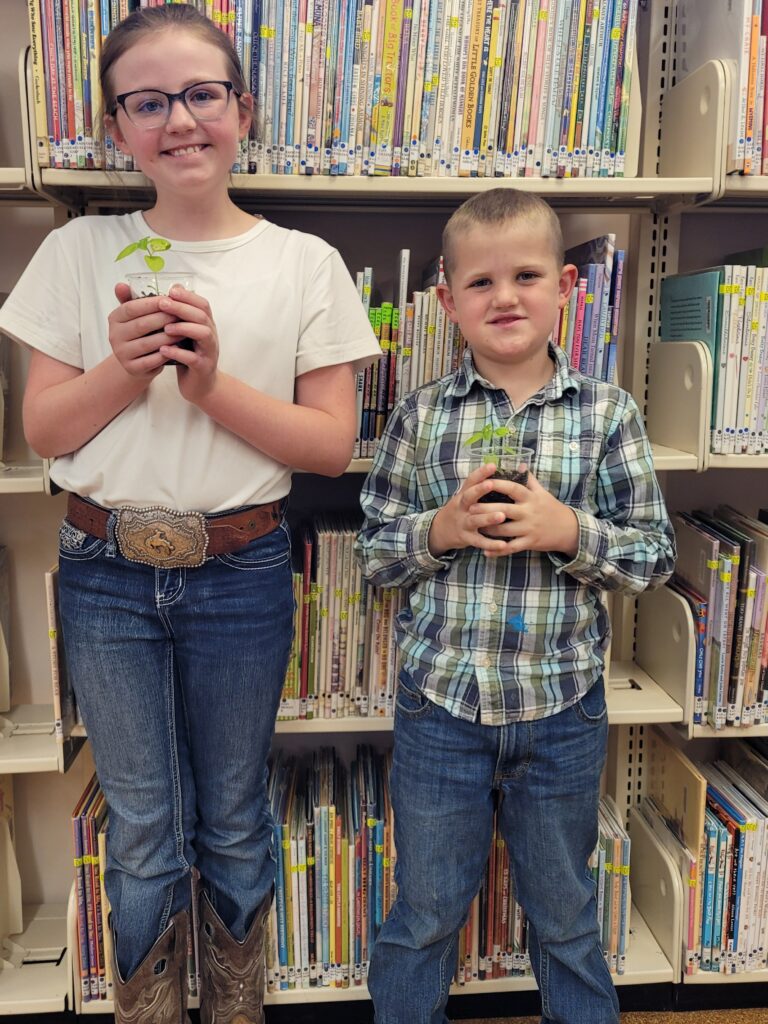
<point x="680" y="182"/>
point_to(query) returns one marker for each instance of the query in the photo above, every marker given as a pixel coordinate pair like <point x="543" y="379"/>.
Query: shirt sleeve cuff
<point x="591" y="551"/>
<point x="424" y="558"/>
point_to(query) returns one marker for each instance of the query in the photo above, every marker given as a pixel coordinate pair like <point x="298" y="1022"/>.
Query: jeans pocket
<point x="410" y="701"/>
<point x="592" y="707"/>
<point x="267" y="552"/>
<point x="77" y="545"/>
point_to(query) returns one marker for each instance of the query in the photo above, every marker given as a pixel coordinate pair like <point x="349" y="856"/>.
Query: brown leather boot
<point x="231" y="972"/>
<point x="156" y="992"/>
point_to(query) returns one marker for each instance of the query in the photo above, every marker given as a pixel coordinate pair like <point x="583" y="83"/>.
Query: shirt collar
<point x="565" y="378"/>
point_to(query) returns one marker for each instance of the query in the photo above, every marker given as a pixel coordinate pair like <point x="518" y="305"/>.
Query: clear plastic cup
<point x="512" y="463"/>
<point x="146" y="283"/>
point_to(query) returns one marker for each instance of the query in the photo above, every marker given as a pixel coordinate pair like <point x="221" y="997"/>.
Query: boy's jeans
<point x="178" y="675"/>
<point x="444" y="772"/>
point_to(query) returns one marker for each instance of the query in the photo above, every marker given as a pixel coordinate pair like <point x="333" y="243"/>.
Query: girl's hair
<point x="147" y="20"/>
<point x="495" y="207"/>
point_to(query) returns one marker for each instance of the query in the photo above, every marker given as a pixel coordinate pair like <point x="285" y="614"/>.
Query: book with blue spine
<point x="710" y="878"/>
<point x="699" y="610"/>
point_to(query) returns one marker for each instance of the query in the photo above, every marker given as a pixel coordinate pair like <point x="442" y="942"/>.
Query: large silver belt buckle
<point x="162" y="537"/>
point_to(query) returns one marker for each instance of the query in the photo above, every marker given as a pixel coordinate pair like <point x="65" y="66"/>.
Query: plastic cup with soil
<point x="145" y="284"/>
<point x="511" y="463"/>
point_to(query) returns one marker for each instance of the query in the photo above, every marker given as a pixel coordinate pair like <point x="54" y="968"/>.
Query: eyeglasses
<point x="151" y="108"/>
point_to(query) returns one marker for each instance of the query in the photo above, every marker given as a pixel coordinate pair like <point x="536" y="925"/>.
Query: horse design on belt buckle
<point x="162" y="537"/>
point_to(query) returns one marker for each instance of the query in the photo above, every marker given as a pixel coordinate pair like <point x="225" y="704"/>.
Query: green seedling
<point x="491" y="437"/>
<point x="150" y="247"/>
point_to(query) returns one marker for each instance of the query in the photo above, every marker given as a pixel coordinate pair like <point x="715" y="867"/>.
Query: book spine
<point x="82" y="922"/>
<point x="406" y="69"/>
<point x="390" y="63"/>
<point x="38" y="83"/>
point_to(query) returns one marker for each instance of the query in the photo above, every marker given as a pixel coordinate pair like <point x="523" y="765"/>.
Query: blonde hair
<point x="495" y="207"/>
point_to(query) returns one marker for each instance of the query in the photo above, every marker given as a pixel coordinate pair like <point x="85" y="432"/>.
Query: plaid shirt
<point x="522" y="637"/>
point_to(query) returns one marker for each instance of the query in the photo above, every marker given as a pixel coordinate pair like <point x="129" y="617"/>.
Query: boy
<point x="503" y="638"/>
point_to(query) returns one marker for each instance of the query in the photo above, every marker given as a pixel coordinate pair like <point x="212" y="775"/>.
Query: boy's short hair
<point x="496" y="206"/>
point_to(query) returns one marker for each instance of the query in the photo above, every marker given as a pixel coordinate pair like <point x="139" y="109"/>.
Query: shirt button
<point x="574" y="446"/>
<point x="493" y="606"/>
<point x="485" y="661"/>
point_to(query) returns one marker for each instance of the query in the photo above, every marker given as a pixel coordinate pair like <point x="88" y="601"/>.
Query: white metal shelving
<point x="42" y="982"/>
<point x="22" y="478"/>
<point x="28" y="739"/>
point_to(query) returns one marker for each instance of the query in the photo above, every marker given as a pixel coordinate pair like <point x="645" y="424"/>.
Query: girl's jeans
<point x="444" y="774"/>
<point x="178" y="675"/>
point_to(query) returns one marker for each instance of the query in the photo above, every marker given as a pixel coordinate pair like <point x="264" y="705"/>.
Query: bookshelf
<point x="650" y="676"/>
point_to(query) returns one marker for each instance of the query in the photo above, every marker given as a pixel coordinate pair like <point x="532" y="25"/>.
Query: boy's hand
<point x="460" y="521"/>
<point x="536" y="521"/>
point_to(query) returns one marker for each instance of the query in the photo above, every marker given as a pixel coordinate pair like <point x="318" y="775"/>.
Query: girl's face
<point x="183" y="155"/>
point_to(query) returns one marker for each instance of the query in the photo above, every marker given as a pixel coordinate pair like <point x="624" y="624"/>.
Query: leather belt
<point x="165" y="538"/>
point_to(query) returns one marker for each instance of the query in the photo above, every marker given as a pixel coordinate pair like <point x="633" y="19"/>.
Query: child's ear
<point x="569" y="275"/>
<point x="446" y="301"/>
<point x="245" y="114"/>
<point x="111" y="128"/>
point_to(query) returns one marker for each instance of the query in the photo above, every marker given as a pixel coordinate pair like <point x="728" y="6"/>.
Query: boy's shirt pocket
<point x="567" y="467"/>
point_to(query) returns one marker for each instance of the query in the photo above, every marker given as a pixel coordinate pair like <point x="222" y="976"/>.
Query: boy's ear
<point x="446" y="301"/>
<point x="569" y="275"/>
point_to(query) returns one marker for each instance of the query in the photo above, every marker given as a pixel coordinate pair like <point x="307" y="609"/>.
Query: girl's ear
<point x="111" y="128"/>
<point x="245" y="114"/>
<point x="445" y="296"/>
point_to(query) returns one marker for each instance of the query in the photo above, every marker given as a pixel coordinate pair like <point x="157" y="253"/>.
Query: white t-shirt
<point x="283" y="304"/>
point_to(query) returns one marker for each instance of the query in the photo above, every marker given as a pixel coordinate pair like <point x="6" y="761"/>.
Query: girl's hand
<point x="463" y="523"/>
<point x="536" y="521"/>
<point x="190" y="317"/>
<point x="136" y="334"/>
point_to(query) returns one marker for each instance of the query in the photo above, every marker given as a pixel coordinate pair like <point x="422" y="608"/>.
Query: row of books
<point x="722" y="571"/>
<point x="588" y="329"/>
<point x="344" y="660"/>
<point x="335" y="852"/>
<point x="713" y="820"/>
<point x="89" y="839"/>
<point x="387" y="87"/>
<point x="734" y="32"/>
<point x="418" y="343"/>
<point x="727" y="308"/>
<point x="335" y="883"/>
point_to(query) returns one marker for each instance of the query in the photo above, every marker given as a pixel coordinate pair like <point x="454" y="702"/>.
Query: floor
<point x="756" y="1016"/>
<point x="351" y="1013"/>
<point x="748" y="1016"/>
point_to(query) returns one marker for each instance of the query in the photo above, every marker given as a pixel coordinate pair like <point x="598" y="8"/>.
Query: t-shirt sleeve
<point x="43" y="310"/>
<point x="334" y="325"/>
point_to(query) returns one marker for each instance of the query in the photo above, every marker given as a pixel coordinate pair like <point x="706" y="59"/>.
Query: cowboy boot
<point x="156" y="992"/>
<point x="231" y="972"/>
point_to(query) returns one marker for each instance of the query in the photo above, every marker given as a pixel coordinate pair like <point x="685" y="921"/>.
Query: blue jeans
<point x="444" y="773"/>
<point x="178" y="675"/>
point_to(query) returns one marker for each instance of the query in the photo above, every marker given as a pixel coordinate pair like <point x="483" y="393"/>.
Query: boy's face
<point x="505" y="292"/>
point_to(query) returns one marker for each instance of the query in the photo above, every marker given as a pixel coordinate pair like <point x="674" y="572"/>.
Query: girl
<point x="175" y="580"/>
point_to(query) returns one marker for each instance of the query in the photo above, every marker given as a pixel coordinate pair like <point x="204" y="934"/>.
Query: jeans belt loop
<point x="112" y="550"/>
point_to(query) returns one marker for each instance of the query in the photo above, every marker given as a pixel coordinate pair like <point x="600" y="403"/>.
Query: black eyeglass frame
<point x="172" y="97"/>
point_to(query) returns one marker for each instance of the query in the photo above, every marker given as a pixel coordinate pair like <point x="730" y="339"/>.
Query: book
<point x="699" y="611"/>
